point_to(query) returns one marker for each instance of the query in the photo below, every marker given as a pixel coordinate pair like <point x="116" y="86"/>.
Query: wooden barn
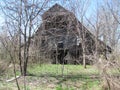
<point x="62" y="37"/>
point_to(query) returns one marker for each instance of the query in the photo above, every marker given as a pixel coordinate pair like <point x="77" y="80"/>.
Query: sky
<point x="92" y="5"/>
<point x="90" y="10"/>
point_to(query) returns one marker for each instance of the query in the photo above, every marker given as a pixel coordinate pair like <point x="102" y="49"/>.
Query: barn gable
<point x="61" y="30"/>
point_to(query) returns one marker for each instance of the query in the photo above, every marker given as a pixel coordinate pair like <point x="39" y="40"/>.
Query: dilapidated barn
<point x="63" y="37"/>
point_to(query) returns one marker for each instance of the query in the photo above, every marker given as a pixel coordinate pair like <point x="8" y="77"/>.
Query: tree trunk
<point x="84" y="60"/>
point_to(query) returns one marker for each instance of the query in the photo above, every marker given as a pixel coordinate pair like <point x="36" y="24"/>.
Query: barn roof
<point x="59" y="10"/>
<point x="55" y="9"/>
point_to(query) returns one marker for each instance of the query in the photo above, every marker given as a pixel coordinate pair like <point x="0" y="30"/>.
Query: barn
<point x="64" y="39"/>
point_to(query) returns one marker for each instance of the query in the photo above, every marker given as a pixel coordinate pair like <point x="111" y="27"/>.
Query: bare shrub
<point x="3" y="66"/>
<point x="110" y="72"/>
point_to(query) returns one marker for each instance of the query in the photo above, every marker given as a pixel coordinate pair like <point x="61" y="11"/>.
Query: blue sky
<point x="90" y="10"/>
<point x="92" y="6"/>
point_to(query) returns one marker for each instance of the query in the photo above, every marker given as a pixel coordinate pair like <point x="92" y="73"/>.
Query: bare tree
<point x="79" y="8"/>
<point x="23" y="16"/>
<point x="107" y="27"/>
<point x="9" y="44"/>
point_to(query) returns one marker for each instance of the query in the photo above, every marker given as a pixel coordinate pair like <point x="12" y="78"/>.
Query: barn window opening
<point x="60" y="45"/>
<point x="42" y="42"/>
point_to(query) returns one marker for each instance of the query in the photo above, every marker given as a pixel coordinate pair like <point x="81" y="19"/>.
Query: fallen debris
<point x="12" y="79"/>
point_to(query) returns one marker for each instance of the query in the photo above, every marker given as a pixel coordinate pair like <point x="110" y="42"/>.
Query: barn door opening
<point x="61" y="53"/>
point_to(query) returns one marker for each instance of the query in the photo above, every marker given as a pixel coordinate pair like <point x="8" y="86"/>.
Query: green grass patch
<point x="73" y="76"/>
<point x="54" y="70"/>
<point x="55" y="77"/>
